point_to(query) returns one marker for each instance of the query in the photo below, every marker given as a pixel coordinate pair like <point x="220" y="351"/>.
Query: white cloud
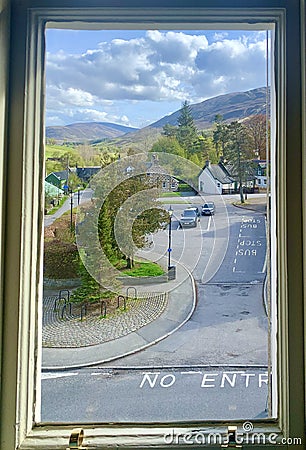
<point x="160" y="66"/>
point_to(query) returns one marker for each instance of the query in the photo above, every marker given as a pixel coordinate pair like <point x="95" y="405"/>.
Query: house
<point x="216" y="179"/>
<point x="51" y="190"/>
<point x="260" y="173"/>
<point x="55" y="180"/>
<point x="86" y="173"/>
<point x="159" y="177"/>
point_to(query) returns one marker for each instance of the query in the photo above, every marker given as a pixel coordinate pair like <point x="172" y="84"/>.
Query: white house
<point x="215" y="179"/>
<point x="261" y="173"/>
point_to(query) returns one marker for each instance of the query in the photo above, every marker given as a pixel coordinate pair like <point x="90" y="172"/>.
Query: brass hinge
<point x="76" y="439"/>
<point x="231" y="438"/>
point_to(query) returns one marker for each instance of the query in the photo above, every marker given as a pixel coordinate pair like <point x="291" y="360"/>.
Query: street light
<point x="170" y="212"/>
<point x="71" y="208"/>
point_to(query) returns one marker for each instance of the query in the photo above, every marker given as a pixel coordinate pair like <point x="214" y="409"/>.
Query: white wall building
<point x="215" y="179"/>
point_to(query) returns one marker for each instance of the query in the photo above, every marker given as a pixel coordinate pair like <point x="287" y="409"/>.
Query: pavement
<point x="159" y="310"/>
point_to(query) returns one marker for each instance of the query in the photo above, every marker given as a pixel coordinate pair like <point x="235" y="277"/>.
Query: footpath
<point x="69" y="343"/>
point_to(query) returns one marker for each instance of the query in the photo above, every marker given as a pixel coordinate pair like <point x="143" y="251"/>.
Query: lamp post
<point x="78" y="195"/>
<point x="71" y="208"/>
<point x="170" y="211"/>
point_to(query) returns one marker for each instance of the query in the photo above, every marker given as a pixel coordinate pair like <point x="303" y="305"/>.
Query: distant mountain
<point x="234" y="106"/>
<point x="87" y="131"/>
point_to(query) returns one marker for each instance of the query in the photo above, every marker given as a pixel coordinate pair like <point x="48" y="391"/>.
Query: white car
<point x="208" y="209"/>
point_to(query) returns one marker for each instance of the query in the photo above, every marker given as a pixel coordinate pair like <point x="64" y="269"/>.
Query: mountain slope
<point x="234" y="106"/>
<point x="87" y="131"/>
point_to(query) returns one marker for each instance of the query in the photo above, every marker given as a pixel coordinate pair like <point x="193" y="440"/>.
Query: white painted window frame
<point x="22" y="261"/>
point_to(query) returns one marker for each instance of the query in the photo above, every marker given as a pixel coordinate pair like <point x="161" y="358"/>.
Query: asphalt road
<point x="146" y="395"/>
<point x="226" y="254"/>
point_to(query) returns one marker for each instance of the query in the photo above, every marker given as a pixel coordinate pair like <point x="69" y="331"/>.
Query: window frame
<point x="23" y="147"/>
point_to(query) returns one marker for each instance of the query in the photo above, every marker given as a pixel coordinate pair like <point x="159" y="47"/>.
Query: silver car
<point x="189" y="218"/>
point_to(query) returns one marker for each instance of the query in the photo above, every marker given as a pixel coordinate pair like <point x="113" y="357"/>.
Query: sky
<point x="136" y="77"/>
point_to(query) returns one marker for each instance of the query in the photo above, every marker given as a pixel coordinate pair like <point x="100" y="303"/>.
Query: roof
<point x="155" y="167"/>
<point x="87" y="172"/>
<point x="220" y="173"/>
<point x="62" y="174"/>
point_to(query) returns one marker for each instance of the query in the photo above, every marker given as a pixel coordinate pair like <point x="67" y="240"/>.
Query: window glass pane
<point x="157" y="236"/>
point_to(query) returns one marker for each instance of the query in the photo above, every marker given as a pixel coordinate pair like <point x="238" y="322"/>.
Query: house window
<point x="22" y="294"/>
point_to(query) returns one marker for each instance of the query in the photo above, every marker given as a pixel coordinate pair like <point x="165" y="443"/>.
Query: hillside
<point x="234" y="106"/>
<point x="87" y="131"/>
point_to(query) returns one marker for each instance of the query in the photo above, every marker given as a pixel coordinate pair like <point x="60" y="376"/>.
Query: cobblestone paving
<point x="63" y="328"/>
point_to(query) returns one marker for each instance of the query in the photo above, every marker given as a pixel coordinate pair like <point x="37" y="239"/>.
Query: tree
<point x="117" y="244"/>
<point x="204" y="149"/>
<point x="168" y="145"/>
<point x="74" y="181"/>
<point x="169" y="130"/>
<point x="256" y="128"/>
<point x="187" y="131"/>
<point x="219" y="135"/>
<point x="237" y="153"/>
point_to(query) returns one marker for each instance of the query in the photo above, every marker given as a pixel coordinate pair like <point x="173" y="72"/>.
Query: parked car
<point x="195" y="209"/>
<point x="208" y="209"/>
<point x="189" y="218"/>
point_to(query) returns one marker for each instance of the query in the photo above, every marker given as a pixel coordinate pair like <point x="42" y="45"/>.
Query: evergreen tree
<point x="237" y="154"/>
<point x="187" y="131"/>
<point x="169" y="130"/>
<point x="219" y="135"/>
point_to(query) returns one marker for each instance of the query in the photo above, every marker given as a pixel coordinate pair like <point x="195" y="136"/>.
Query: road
<point x="84" y="197"/>
<point x="146" y="395"/>
<point x="227" y="332"/>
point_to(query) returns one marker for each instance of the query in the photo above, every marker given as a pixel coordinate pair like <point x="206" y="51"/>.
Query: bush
<point x="61" y="260"/>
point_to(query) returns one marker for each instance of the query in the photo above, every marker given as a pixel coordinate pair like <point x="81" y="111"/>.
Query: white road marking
<point x="103" y="374"/>
<point x="264" y="268"/>
<point x="208" y="225"/>
<point x="50" y="375"/>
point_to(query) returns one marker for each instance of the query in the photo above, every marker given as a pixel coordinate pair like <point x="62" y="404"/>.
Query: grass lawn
<point x="171" y="194"/>
<point x="144" y="269"/>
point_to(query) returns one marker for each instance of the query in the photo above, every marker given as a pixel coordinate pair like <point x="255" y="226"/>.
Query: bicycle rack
<point x="60" y="294"/>
<point x="64" y="309"/>
<point x="134" y="289"/>
<point x="83" y="310"/>
<point x="103" y="308"/>
<point x="118" y="301"/>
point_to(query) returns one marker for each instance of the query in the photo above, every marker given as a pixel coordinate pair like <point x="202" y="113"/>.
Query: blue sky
<point x="136" y="77"/>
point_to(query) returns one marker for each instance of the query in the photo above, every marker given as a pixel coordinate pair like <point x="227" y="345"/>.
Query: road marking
<point x="50" y="375"/>
<point x="208" y="225"/>
<point x="264" y="268"/>
<point x="235" y="260"/>
<point x="234" y="269"/>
